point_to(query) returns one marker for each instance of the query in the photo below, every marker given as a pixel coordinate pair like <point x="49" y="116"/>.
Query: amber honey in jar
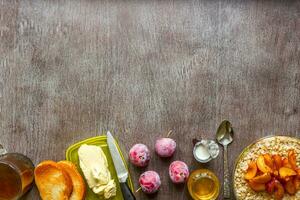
<point x="203" y="185"/>
<point x="16" y="175"/>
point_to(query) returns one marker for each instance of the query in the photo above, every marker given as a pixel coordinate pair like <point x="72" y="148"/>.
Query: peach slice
<point x="251" y="171"/>
<point x="286" y="163"/>
<point x="279" y="190"/>
<point x="292" y="159"/>
<point x="270" y="187"/>
<point x="266" y="177"/>
<point x="262" y="166"/>
<point x="269" y="160"/>
<point x="277" y="161"/>
<point x="257" y="187"/>
<point x="298" y="172"/>
<point x="290" y="187"/>
<point x="276" y="173"/>
<point x="287" y="179"/>
<point x="297" y="183"/>
<point x="285" y="172"/>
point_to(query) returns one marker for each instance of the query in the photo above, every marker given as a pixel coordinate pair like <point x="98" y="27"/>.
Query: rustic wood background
<point x="70" y="70"/>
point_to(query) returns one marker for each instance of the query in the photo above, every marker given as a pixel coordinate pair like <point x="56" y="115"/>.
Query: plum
<point x="139" y="155"/>
<point x="178" y="171"/>
<point x="165" y="147"/>
<point x="150" y="182"/>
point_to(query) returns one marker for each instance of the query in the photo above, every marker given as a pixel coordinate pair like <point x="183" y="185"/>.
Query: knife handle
<point x="127" y="193"/>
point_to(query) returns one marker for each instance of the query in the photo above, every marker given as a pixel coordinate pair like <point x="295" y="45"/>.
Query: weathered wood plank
<point x="73" y="69"/>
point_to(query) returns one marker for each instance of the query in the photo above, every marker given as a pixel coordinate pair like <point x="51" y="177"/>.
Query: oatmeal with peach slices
<point x="269" y="169"/>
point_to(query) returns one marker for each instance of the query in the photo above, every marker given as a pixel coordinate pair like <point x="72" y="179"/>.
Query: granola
<point x="272" y="145"/>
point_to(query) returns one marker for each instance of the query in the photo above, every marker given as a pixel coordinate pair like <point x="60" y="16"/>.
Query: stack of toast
<point x="59" y="181"/>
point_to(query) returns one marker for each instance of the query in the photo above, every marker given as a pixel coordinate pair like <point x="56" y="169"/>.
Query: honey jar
<point x="203" y="185"/>
<point x="16" y="175"/>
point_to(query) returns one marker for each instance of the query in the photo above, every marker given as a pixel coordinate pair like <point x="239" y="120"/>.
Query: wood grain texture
<point x="70" y="70"/>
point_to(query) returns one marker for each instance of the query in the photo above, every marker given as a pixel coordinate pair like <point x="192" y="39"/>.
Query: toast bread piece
<point x="77" y="180"/>
<point x="52" y="182"/>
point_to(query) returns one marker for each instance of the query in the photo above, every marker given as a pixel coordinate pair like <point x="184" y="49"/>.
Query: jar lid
<point x="205" y="150"/>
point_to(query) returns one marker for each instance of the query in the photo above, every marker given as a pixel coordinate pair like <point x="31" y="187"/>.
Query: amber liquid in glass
<point x="203" y="185"/>
<point x="16" y="176"/>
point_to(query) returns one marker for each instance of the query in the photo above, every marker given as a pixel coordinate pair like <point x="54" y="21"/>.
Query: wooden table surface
<point x="70" y="70"/>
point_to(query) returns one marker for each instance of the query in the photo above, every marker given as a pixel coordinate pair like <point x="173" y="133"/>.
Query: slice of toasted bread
<point x="52" y="182"/>
<point x="77" y="180"/>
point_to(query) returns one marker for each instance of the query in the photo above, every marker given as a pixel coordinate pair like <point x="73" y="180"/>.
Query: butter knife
<point x="120" y="167"/>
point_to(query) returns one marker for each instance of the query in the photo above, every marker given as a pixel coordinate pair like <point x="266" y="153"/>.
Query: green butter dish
<point x="101" y="141"/>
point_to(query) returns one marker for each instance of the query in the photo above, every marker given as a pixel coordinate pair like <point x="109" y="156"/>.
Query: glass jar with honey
<point x="203" y="185"/>
<point x="16" y="175"/>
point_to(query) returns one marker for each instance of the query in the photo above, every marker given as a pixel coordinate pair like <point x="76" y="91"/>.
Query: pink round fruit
<point x="150" y="182"/>
<point x="165" y="147"/>
<point x="139" y="155"/>
<point x="179" y="172"/>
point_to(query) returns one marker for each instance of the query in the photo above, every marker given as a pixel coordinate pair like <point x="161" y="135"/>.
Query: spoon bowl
<point x="225" y="133"/>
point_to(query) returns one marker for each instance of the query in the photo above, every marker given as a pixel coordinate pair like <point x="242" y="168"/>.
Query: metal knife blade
<point x="117" y="159"/>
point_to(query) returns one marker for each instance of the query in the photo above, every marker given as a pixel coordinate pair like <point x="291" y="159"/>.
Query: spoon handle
<point x="226" y="175"/>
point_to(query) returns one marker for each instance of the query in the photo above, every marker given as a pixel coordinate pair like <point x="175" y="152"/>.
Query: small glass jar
<point x="16" y="175"/>
<point x="205" y="150"/>
<point x="203" y="185"/>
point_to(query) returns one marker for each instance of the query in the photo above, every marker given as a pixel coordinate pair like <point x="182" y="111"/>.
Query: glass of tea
<point x="16" y="175"/>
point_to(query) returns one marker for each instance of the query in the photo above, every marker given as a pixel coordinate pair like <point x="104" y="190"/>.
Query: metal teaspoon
<point x="225" y="137"/>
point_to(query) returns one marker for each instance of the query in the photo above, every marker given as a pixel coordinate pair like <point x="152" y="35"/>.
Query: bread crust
<point x="77" y="180"/>
<point x="52" y="181"/>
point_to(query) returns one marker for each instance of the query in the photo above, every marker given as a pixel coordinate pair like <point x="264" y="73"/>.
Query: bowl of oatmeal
<point x="279" y="145"/>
